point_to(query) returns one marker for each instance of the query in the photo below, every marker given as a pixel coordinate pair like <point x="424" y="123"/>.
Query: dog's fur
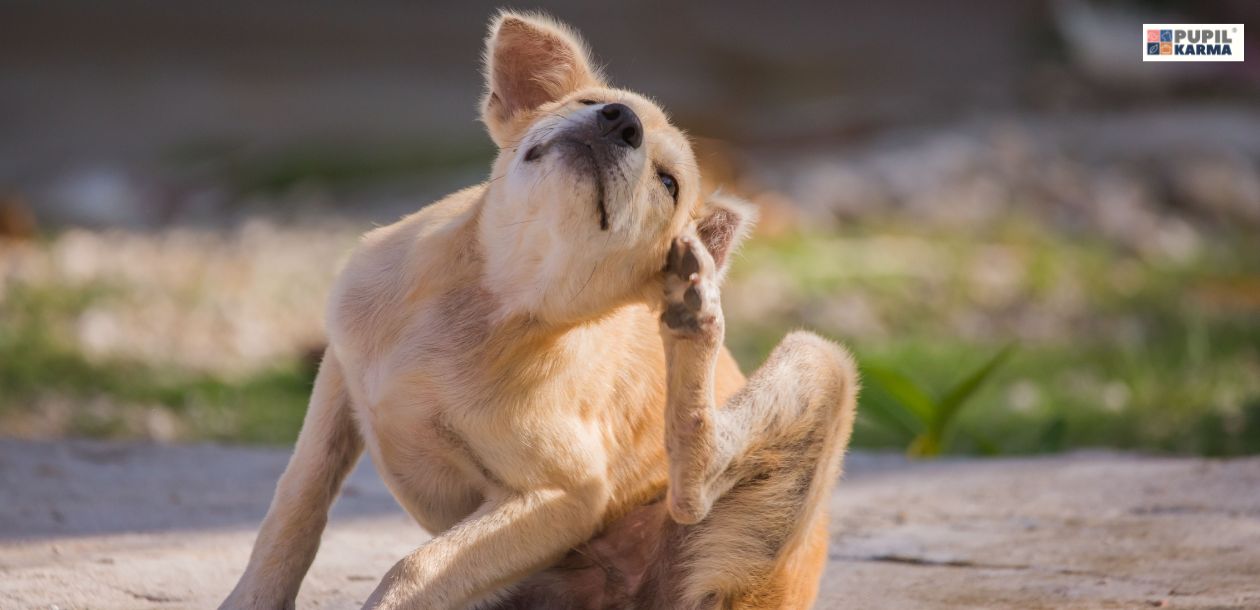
<point x="535" y="365"/>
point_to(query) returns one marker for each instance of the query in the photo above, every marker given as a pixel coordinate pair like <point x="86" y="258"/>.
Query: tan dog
<point x="534" y="361"/>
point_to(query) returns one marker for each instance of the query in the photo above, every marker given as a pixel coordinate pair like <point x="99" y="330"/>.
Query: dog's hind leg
<point x="327" y="448"/>
<point x="749" y="481"/>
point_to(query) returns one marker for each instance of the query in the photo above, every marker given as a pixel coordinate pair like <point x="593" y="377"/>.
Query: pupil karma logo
<point x="1192" y="42"/>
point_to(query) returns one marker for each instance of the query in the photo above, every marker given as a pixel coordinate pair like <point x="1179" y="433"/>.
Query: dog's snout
<point x="619" y="124"/>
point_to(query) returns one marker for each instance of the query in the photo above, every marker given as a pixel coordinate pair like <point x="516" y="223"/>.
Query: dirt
<point x="141" y="526"/>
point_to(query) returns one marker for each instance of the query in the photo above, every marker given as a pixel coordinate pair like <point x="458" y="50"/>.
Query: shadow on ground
<point x="89" y="488"/>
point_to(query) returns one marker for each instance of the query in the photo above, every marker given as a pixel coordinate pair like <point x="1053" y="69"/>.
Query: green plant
<point x="908" y="408"/>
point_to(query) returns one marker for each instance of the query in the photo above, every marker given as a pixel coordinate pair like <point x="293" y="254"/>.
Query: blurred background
<point x="1032" y="240"/>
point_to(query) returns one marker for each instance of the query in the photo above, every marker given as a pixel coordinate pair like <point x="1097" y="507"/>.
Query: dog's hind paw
<point x="693" y="304"/>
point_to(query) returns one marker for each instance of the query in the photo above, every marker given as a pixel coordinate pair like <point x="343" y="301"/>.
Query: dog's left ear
<point x="722" y="225"/>
<point x="530" y="60"/>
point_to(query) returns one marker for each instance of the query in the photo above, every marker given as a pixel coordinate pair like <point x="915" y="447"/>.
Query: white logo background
<point x="1234" y="30"/>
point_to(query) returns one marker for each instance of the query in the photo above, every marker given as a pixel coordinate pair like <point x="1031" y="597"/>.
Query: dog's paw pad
<point x="692" y="300"/>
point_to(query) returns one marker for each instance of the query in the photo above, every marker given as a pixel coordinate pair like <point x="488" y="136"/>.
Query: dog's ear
<point x="530" y="60"/>
<point x="722" y="225"/>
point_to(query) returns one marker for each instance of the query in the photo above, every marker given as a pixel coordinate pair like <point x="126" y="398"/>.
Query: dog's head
<point x="591" y="183"/>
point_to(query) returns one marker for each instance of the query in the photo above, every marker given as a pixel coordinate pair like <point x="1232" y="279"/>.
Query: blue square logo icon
<point x="1165" y="35"/>
<point x="1152" y="48"/>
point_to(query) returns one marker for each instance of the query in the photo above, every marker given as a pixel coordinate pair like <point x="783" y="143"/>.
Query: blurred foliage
<point x="39" y="362"/>
<point x="926" y="421"/>
<point x="329" y="165"/>
<point x="1117" y="348"/>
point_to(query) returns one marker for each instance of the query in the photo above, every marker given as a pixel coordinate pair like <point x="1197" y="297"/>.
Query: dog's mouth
<point x="581" y="155"/>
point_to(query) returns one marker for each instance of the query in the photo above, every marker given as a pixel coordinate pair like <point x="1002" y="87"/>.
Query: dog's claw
<point x="692" y="303"/>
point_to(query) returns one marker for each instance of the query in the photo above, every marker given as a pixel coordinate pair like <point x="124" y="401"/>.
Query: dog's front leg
<point x="692" y="329"/>
<point x="327" y="449"/>
<point x="504" y="541"/>
<point x="807" y="388"/>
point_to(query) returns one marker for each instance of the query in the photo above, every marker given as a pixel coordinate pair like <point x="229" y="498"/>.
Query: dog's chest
<point x="441" y="457"/>
<point x="450" y="421"/>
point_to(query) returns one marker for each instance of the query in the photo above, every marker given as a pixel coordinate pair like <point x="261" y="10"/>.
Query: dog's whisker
<point x="593" y="268"/>
<point x="564" y="118"/>
<point x="588" y="280"/>
<point x="519" y="222"/>
<point x="540" y="180"/>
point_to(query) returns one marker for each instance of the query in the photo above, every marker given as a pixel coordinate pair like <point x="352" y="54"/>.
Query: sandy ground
<point x="136" y="526"/>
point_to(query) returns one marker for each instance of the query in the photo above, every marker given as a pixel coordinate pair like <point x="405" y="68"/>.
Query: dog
<point x="536" y="367"/>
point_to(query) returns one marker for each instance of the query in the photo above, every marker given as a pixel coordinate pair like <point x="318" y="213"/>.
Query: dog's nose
<point x="619" y="124"/>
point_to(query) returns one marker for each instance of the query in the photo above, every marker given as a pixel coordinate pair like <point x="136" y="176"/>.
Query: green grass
<point x="1169" y="405"/>
<point x="38" y="362"/>
<point x="1141" y="353"/>
<point x="1154" y="355"/>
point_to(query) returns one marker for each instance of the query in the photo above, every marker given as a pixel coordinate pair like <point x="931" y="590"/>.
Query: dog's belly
<point x="634" y="563"/>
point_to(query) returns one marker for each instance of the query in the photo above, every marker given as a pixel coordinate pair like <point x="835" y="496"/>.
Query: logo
<point x="1192" y="42"/>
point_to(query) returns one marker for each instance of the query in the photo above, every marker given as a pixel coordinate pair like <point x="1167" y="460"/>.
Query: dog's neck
<point x="536" y="274"/>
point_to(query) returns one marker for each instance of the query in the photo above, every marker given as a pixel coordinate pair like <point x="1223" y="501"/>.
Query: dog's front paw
<point x="693" y="306"/>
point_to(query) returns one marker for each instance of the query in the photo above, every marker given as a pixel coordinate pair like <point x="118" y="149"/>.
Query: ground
<point x="88" y="524"/>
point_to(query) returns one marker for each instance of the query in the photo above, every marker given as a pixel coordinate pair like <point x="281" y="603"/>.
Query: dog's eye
<point x="587" y="102"/>
<point x="670" y="183"/>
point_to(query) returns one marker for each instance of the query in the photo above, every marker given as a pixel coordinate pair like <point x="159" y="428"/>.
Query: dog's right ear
<point x="530" y="60"/>
<point x="722" y="224"/>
